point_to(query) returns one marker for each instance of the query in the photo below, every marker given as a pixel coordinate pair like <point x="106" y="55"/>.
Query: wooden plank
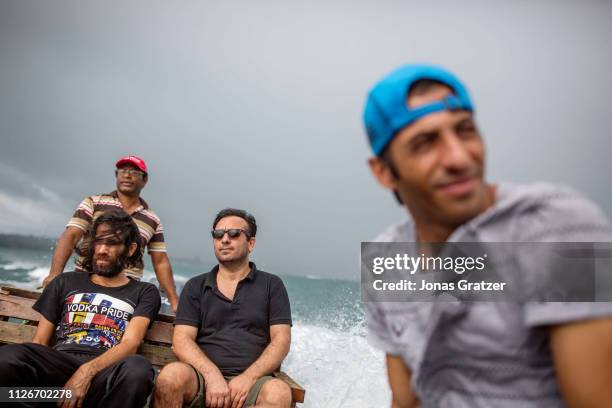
<point x="298" y="393"/>
<point x="157" y="355"/>
<point x="30" y="294"/>
<point x="162" y="317"/>
<point x="16" y="333"/>
<point x="160" y="332"/>
<point x="14" y="306"/>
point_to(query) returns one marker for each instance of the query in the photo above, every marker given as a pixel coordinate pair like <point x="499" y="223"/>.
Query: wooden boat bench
<point x="18" y="323"/>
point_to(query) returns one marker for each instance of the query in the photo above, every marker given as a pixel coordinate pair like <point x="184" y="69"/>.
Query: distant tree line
<point x="26" y="242"/>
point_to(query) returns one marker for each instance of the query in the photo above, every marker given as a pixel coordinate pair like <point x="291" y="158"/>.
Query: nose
<point x="226" y="238"/>
<point x="455" y="155"/>
<point x="102" y="248"/>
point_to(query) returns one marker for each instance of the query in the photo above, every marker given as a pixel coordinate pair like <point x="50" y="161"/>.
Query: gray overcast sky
<point x="257" y="104"/>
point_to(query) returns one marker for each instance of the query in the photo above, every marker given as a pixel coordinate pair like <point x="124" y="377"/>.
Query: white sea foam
<point x="34" y="270"/>
<point x="149" y="276"/>
<point x="39" y="273"/>
<point x="17" y="284"/>
<point x="15" y="265"/>
<point x="337" y="368"/>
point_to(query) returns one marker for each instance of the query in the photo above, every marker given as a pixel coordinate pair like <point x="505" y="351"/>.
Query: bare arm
<point x="269" y="360"/>
<point x="582" y="352"/>
<point x="81" y="380"/>
<point x="133" y="336"/>
<point x="399" y="379"/>
<point x="44" y="332"/>
<point x="187" y="351"/>
<point x="63" y="249"/>
<point x="163" y="271"/>
<point x="274" y="354"/>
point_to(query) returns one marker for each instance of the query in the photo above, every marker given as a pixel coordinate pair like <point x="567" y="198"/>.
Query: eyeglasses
<point x="232" y="233"/>
<point x="130" y="172"/>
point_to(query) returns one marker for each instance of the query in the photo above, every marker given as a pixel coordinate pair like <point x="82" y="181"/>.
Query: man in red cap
<point x="131" y="175"/>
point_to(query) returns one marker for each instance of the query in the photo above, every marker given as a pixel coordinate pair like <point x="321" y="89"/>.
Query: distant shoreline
<point x="19" y="241"/>
<point x="38" y="243"/>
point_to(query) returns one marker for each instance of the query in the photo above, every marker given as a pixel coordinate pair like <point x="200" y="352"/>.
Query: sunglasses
<point x="232" y="233"/>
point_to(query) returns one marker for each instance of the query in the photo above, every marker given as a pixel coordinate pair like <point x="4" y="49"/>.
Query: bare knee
<point x="177" y="379"/>
<point x="275" y="393"/>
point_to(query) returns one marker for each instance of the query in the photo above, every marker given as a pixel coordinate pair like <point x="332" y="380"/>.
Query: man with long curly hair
<point x="91" y="326"/>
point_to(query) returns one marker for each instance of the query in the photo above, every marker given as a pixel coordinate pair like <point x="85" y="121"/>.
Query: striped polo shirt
<point x="149" y="224"/>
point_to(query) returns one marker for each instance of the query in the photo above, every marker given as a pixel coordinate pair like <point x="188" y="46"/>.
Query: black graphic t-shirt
<point x="91" y="318"/>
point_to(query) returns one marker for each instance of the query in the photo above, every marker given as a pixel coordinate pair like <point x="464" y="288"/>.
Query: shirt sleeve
<point x="188" y="311"/>
<point x="83" y="216"/>
<point x="379" y="334"/>
<point x="50" y="302"/>
<point x="280" y="309"/>
<point x="551" y="313"/>
<point x="149" y="303"/>
<point x="566" y="216"/>
<point x="157" y="242"/>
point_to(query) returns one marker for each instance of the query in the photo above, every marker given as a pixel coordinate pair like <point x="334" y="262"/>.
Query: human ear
<point x="382" y="172"/>
<point x="252" y="242"/>
<point x="132" y="248"/>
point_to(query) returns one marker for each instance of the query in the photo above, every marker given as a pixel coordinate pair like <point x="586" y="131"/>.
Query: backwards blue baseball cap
<point x="387" y="112"/>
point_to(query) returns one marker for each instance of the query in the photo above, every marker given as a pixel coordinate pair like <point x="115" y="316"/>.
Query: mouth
<point x="102" y="262"/>
<point x="126" y="183"/>
<point x="459" y="188"/>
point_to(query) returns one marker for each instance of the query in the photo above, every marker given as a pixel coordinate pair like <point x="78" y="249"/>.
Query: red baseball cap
<point x="135" y="160"/>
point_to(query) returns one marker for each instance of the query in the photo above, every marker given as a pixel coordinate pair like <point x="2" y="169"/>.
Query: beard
<point x="233" y="262"/>
<point x="113" y="268"/>
<point x="235" y="259"/>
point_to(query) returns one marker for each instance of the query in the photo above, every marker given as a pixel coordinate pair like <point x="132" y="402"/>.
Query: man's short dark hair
<point x="234" y="212"/>
<point x="422" y="86"/>
<point x="121" y="225"/>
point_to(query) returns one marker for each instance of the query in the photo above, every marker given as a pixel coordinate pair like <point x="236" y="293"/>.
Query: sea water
<point x="329" y="355"/>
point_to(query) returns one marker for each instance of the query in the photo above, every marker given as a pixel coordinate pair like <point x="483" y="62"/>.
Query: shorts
<point x="251" y="399"/>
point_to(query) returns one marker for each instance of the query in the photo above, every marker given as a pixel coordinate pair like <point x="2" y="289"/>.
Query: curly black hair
<point x="122" y="226"/>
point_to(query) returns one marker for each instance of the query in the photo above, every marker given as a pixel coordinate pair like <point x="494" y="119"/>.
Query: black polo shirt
<point x="234" y="333"/>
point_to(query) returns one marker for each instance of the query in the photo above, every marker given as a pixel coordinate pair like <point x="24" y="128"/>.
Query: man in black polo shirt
<point x="232" y="329"/>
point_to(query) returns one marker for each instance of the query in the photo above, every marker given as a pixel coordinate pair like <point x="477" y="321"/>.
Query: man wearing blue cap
<point x="430" y="154"/>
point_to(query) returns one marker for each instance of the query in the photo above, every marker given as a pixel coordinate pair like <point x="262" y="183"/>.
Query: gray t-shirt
<point x="491" y="354"/>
